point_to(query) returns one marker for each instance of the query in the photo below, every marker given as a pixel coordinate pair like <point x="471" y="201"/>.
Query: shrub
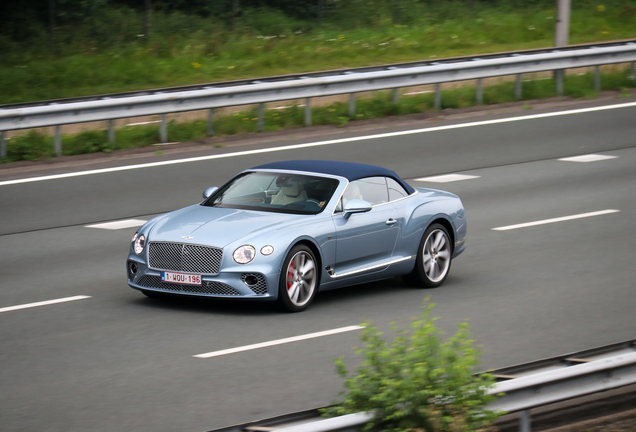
<point x="30" y="147"/>
<point x="418" y="383"/>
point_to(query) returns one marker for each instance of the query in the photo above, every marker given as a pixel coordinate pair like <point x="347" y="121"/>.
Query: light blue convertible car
<point x="286" y="230"/>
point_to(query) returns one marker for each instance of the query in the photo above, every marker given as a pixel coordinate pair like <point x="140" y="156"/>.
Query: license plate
<point x="181" y="278"/>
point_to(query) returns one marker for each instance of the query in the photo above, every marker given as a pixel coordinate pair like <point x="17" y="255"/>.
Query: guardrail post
<point x="395" y="96"/>
<point x="163" y="129"/>
<point x="518" y="87"/>
<point x="3" y="144"/>
<point x="438" y="96"/>
<point x="632" y="74"/>
<point x="58" y="141"/>
<point x="111" y="131"/>
<point x="525" y="421"/>
<point x="211" y="122"/>
<point x="261" y="117"/>
<point x="352" y="104"/>
<point x="307" y="111"/>
<point x="558" y="75"/>
<point x="597" y="78"/>
<point x="480" y="92"/>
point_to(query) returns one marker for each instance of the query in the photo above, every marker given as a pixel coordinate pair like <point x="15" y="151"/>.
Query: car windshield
<point x="275" y="192"/>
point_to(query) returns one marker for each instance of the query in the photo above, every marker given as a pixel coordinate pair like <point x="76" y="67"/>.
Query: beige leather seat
<point x="352" y="192"/>
<point x="292" y="191"/>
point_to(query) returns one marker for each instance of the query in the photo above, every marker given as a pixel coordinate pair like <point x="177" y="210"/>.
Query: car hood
<point x="215" y="226"/>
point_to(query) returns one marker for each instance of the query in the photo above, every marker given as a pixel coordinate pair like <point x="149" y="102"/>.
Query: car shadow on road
<point x="368" y="292"/>
<point x="212" y="305"/>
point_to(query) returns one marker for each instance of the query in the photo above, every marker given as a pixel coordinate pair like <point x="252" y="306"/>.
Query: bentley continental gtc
<point x="287" y="230"/>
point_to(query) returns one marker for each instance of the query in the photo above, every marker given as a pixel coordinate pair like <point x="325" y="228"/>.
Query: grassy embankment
<point x="191" y="50"/>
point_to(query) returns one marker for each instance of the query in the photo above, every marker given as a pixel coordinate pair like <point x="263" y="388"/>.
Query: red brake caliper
<point x="290" y="275"/>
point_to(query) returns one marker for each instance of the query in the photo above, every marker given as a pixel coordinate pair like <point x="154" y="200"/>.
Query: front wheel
<point x="433" y="257"/>
<point x="298" y="279"/>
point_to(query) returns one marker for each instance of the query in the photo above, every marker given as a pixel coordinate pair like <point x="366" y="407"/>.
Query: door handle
<point x="391" y="222"/>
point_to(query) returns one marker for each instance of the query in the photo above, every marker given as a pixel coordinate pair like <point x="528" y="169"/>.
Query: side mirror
<point x="209" y="191"/>
<point x="356" y="206"/>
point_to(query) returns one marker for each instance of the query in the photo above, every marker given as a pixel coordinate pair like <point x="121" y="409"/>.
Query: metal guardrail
<point x="318" y="74"/>
<point x="524" y="387"/>
<point x="351" y="83"/>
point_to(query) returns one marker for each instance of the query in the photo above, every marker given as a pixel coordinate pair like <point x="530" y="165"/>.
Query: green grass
<point x="106" y="55"/>
<point x="34" y="145"/>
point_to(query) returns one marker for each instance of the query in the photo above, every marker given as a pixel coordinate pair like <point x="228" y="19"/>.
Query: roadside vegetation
<point x="418" y="382"/>
<point x="92" y="47"/>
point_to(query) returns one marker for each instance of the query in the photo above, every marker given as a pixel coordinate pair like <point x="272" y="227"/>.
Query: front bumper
<point x="244" y="284"/>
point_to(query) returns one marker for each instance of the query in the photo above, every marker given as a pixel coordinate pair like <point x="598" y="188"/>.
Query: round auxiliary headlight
<point x="140" y="242"/>
<point x="267" y="250"/>
<point x="244" y="254"/>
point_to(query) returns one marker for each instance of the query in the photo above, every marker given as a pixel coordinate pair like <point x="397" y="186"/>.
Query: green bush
<point x="86" y="142"/>
<point x="29" y="147"/>
<point x="418" y="382"/>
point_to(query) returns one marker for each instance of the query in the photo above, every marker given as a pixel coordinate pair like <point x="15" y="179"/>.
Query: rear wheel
<point x="298" y="279"/>
<point x="433" y="258"/>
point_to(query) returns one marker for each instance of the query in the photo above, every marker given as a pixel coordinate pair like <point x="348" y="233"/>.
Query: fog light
<point x="133" y="268"/>
<point x="250" y="280"/>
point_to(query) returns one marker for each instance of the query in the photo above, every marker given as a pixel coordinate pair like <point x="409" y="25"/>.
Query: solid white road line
<point x="447" y="178"/>
<point x="560" y="219"/>
<point x="316" y="144"/>
<point x="278" y="342"/>
<point x="128" y="223"/>
<point x="588" y="158"/>
<point x="43" y="303"/>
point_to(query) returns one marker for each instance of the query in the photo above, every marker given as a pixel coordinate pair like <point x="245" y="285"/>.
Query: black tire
<point x="297" y="286"/>
<point x="434" y="257"/>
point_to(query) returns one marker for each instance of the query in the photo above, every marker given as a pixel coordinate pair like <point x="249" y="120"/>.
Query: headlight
<point x="244" y="254"/>
<point x="140" y="242"/>
<point x="134" y="237"/>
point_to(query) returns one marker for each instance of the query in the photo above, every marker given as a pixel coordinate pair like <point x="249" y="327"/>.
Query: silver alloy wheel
<point x="436" y="255"/>
<point x="301" y="278"/>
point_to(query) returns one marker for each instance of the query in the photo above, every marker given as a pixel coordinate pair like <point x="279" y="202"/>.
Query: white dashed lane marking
<point x="128" y="223"/>
<point x="446" y="178"/>
<point x="278" y="342"/>
<point x="560" y="219"/>
<point x="43" y="303"/>
<point x="588" y="158"/>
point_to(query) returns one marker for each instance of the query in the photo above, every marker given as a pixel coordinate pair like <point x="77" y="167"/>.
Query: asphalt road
<point x="119" y="361"/>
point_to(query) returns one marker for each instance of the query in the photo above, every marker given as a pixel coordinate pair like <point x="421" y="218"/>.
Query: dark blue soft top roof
<point x="349" y="170"/>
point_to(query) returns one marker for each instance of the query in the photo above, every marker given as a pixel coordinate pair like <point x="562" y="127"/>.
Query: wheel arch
<point x="449" y="228"/>
<point x="316" y="251"/>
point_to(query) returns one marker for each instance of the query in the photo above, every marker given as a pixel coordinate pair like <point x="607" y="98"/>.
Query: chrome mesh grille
<point x="260" y="287"/>
<point x="207" y="287"/>
<point x="185" y="257"/>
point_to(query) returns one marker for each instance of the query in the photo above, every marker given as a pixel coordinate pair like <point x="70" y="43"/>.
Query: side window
<point x="371" y="189"/>
<point x="396" y="191"/>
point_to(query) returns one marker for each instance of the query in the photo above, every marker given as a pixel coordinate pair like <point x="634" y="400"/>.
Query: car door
<point x="365" y="241"/>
